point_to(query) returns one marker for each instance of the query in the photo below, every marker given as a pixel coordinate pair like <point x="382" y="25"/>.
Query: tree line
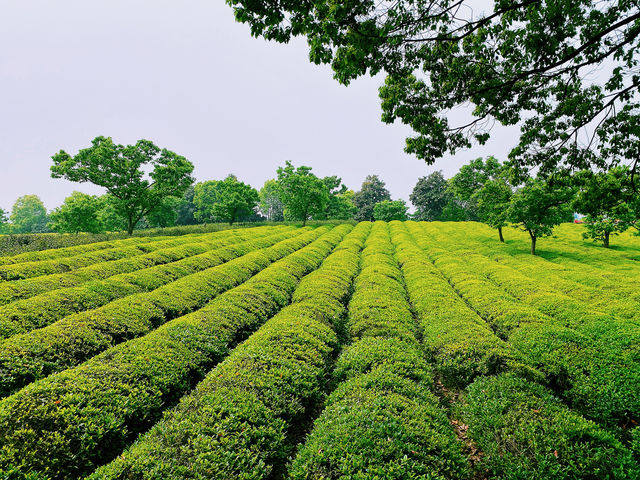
<point x="484" y="190"/>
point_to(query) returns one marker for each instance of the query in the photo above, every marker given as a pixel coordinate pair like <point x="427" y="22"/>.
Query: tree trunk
<point x="130" y="225"/>
<point x="605" y="241"/>
<point x="500" y="234"/>
<point x="533" y="243"/>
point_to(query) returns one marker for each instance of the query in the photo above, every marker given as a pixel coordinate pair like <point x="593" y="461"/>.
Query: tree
<point x="224" y="200"/>
<point x="521" y="62"/>
<point x="186" y="208"/>
<point x="539" y="206"/>
<point x="493" y="200"/>
<point x="340" y="201"/>
<point x="29" y="215"/>
<point x="603" y="197"/>
<point x="108" y="215"/>
<point x="373" y="191"/>
<point x="271" y="205"/>
<point x="78" y="213"/>
<point x="389" y="210"/>
<point x="164" y="215"/>
<point x="4" y="222"/>
<point x="471" y="178"/>
<point x="341" y="206"/>
<point x="119" y="169"/>
<point x="303" y="194"/>
<point x="430" y="196"/>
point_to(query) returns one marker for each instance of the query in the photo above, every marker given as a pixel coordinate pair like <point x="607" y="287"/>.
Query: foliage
<point x="430" y="196"/>
<point x="29" y="215"/>
<point x="4" y="222"/>
<point x="166" y="214"/>
<point x="525" y="432"/>
<point x="522" y="63"/>
<point x="389" y="210"/>
<point x="120" y="169"/>
<point x="372" y="192"/>
<point x="303" y="194"/>
<point x="539" y="206"/>
<point x="340" y="201"/>
<point x="78" y="213"/>
<point x="186" y="208"/>
<point x="271" y="205"/>
<point x="224" y="200"/>
<point x="96" y="393"/>
<point x="605" y="198"/>
<point x="484" y="188"/>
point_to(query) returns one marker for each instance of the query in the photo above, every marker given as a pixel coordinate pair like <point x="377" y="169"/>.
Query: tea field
<point x="381" y="351"/>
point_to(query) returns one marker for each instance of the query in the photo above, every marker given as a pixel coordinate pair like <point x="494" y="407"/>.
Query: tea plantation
<point x="379" y="351"/>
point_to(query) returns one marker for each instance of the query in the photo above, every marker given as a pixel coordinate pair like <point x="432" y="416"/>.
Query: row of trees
<point x="484" y="191"/>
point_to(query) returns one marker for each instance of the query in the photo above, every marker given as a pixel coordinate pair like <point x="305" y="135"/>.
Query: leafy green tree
<point x="120" y="169"/>
<point x="271" y="205"/>
<point x="538" y="207"/>
<point x="430" y="196"/>
<point x="340" y="201"/>
<point x="224" y="200"/>
<point x="109" y="216"/>
<point x="456" y="211"/>
<point x="78" y="213"/>
<point x="4" y="222"/>
<point x="29" y="215"/>
<point x="603" y="199"/>
<point x="303" y="194"/>
<point x="523" y="63"/>
<point x="186" y="208"/>
<point x="341" y="206"/>
<point x="372" y="192"/>
<point x="164" y="215"/>
<point x="471" y="178"/>
<point x="493" y="200"/>
<point x="389" y="210"/>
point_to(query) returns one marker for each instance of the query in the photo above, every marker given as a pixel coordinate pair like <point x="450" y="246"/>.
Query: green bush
<point x="72" y="340"/>
<point x="42" y="310"/>
<point x="121" y="392"/>
<point x="235" y="423"/>
<point x="524" y="432"/>
<point x="159" y="252"/>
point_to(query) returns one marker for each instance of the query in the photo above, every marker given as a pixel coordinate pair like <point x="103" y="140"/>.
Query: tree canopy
<point x="4" y="222"/>
<point x="302" y="193"/>
<point x="606" y="200"/>
<point x="120" y="169"/>
<point x="519" y="62"/>
<point x="538" y="207"/>
<point x="224" y="200"/>
<point x="78" y="213"/>
<point x="29" y="215"/>
<point x="430" y="196"/>
<point x="389" y="210"/>
<point x="271" y="205"/>
<point x="373" y="191"/>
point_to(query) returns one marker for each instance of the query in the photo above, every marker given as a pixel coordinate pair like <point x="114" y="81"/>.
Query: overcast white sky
<point x="185" y="75"/>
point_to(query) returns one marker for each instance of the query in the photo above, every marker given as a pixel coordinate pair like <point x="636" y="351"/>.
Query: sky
<point x="188" y="77"/>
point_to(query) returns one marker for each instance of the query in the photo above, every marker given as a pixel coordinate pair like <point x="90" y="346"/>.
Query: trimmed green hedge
<point x="158" y="253"/>
<point x="54" y="253"/>
<point x="593" y="375"/>
<point x="120" y="393"/>
<point x="237" y="421"/>
<point x="382" y="421"/>
<point x="526" y="433"/>
<point x="72" y="340"/>
<point x="457" y="341"/>
<point x="25" y="315"/>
